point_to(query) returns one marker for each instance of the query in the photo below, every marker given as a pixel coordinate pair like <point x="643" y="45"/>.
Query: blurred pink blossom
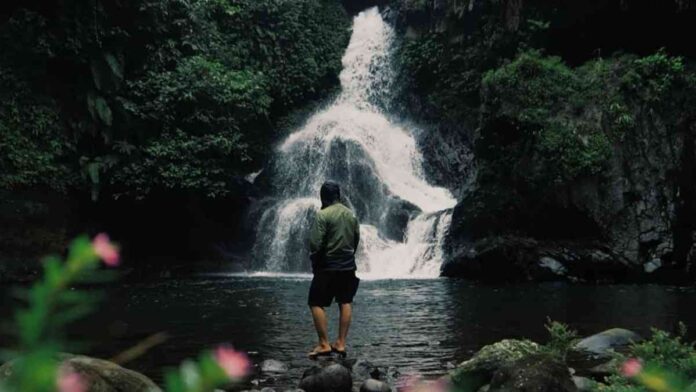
<point x="631" y="367"/>
<point x="69" y="381"/>
<point x="236" y="364"/>
<point x="414" y="383"/>
<point x="106" y="250"/>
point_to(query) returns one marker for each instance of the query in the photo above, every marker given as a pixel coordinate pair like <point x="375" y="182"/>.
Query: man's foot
<point x="320" y="351"/>
<point x="340" y="349"/>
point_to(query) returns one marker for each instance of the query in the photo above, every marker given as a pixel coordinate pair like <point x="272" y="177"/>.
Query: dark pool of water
<point x="413" y="325"/>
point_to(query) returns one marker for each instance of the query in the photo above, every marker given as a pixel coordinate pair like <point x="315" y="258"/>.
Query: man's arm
<point x="356" y="235"/>
<point x="316" y="239"/>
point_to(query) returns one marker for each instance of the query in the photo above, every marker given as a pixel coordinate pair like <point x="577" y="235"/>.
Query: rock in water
<point x="371" y="385"/>
<point x="99" y="375"/>
<point x="332" y="378"/>
<point x="534" y="373"/>
<point x="273" y="366"/>
<point x="363" y="370"/>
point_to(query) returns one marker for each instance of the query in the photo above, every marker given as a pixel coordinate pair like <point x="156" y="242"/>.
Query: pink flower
<point x="69" y="381"/>
<point x="106" y="250"/>
<point x="236" y="364"/>
<point x="631" y="367"/>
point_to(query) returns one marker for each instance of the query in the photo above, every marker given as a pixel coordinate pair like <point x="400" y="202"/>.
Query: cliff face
<point x="580" y="128"/>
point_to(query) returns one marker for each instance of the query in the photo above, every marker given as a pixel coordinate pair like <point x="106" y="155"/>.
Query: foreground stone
<point x="371" y="385"/>
<point x="478" y="370"/>
<point x="605" y="343"/>
<point x="100" y="375"/>
<point x="534" y="373"/>
<point x="331" y="378"/>
<point x="593" y="355"/>
<point x="273" y="366"/>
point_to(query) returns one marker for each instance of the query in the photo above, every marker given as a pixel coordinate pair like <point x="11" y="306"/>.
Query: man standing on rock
<point x="333" y="241"/>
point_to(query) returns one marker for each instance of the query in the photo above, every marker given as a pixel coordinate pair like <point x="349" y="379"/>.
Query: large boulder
<point x="478" y="370"/>
<point x="100" y="375"/>
<point x="593" y="355"/>
<point x="533" y="373"/>
<point x="331" y="378"/>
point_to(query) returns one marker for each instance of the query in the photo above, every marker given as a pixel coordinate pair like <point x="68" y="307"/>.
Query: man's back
<point x="334" y="239"/>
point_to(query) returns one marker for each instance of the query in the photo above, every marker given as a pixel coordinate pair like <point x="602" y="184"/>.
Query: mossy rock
<point x="99" y="375"/>
<point x="533" y="373"/>
<point x="477" y="371"/>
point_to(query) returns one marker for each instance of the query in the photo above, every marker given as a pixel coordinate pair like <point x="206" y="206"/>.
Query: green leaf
<point x="115" y="65"/>
<point x="103" y="110"/>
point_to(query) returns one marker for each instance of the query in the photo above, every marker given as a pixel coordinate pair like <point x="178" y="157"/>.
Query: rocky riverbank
<point x="564" y="363"/>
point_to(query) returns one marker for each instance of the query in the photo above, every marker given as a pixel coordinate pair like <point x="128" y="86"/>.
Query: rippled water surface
<point x="414" y="325"/>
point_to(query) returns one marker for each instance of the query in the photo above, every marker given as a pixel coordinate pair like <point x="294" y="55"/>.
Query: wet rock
<point x="478" y="370"/>
<point x="593" y="355"/>
<point x="652" y="265"/>
<point x="583" y="384"/>
<point x="371" y="385"/>
<point x="332" y="378"/>
<point x="537" y="373"/>
<point x="603" y="343"/>
<point x="396" y="217"/>
<point x="602" y="370"/>
<point x="100" y="375"/>
<point x="363" y="370"/>
<point x="273" y="366"/>
<point x="513" y="259"/>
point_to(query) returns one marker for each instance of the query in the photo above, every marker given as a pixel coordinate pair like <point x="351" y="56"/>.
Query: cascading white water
<point x="403" y="218"/>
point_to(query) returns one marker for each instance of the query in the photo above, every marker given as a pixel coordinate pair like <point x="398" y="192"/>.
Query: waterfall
<point x="377" y="163"/>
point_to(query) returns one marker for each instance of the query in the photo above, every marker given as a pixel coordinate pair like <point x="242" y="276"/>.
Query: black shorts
<point x="327" y="285"/>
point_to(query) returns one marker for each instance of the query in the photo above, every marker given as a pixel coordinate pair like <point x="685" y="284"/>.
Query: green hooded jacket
<point x="334" y="239"/>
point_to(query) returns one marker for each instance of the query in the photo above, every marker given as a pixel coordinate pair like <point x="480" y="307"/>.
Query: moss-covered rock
<point x="98" y="375"/>
<point x="533" y="373"/>
<point x="478" y="370"/>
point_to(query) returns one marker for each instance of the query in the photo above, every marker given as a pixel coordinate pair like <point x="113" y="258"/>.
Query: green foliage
<point x="668" y="351"/>
<point x="445" y="69"/>
<point x="536" y="93"/>
<point x="669" y="364"/>
<point x="33" y="146"/>
<point x="561" y="339"/>
<point x="546" y="126"/>
<point x="105" y="95"/>
<point x="54" y="301"/>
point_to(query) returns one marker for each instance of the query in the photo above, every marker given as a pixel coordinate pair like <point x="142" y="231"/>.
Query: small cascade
<point x="403" y="218"/>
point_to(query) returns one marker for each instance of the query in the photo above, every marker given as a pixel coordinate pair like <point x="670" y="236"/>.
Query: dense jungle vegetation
<point x="108" y="100"/>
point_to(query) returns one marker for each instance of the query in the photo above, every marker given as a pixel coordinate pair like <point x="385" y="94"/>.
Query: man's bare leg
<point x="322" y="327"/>
<point x="346" y="311"/>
